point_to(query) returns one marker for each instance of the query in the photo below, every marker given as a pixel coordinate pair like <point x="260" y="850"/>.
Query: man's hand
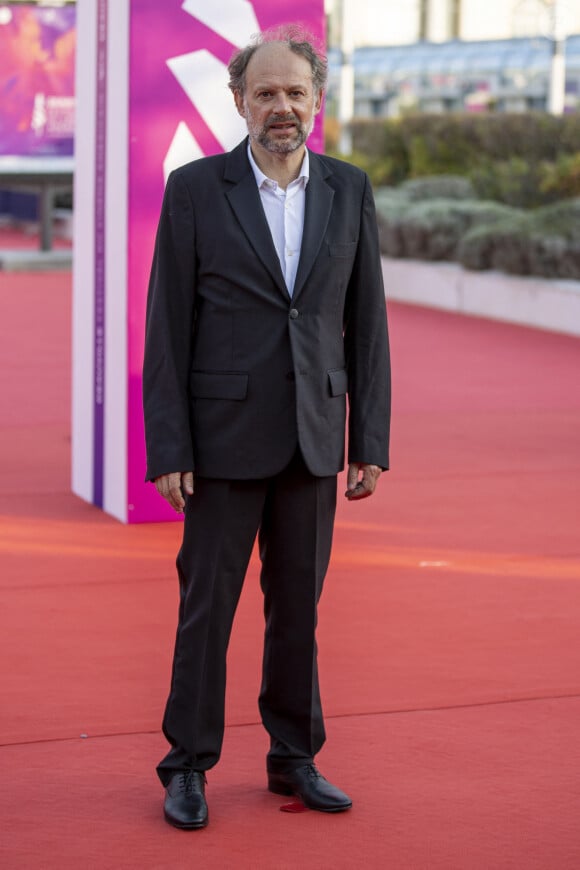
<point x="174" y="486"/>
<point x="357" y="489"/>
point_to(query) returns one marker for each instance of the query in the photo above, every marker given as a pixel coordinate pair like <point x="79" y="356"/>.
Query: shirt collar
<point x="262" y="179"/>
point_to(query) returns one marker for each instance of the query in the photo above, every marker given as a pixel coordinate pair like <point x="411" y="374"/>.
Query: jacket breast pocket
<point x="338" y="382"/>
<point x="342" y="249"/>
<point x="219" y="385"/>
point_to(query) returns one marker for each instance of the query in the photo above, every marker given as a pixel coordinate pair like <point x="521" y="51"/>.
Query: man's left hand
<point x="361" y="480"/>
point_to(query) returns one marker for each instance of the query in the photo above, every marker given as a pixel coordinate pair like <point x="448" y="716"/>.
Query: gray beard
<point x="279" y="146"/>
<point x="275" y="146"/>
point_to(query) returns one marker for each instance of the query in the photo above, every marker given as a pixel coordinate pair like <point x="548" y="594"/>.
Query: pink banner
<point x="37" y="76"/>
<point x="177" y="113"/>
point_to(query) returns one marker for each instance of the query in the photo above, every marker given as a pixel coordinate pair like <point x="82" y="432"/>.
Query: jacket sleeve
<point x="367" y="347"/>
<point x="168" y="335"/>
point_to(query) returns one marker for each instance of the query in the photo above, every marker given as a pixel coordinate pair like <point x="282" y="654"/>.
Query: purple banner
<point x="180" y="109"/>
<point x="37" y="78"/>
<point x="100" y="220"/>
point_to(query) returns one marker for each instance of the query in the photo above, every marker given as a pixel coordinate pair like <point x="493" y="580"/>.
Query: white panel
<point x="235" y="20"/>
<point x="438" y="20"/>
<point x="202" y="77"/>
<point x="115" y="436"/>
<point x="538" y="302"/>
<point x="83" y="263"/>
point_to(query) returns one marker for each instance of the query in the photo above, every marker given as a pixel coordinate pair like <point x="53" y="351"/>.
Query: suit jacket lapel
<point x="319" y="197"/>
<point x="244" y="199"/>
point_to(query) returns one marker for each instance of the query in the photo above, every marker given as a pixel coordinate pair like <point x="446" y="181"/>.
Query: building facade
<point x="453" y="55"/>
<point x="401" y="22"/>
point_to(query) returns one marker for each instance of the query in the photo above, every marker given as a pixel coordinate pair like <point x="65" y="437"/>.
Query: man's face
<point x="279" y="103"/>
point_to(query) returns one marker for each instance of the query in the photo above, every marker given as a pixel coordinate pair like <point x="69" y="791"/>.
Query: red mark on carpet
<point x="294" y="807"/>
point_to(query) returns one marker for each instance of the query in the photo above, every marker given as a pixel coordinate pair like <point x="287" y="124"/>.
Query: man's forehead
<point x="275" y="59"/>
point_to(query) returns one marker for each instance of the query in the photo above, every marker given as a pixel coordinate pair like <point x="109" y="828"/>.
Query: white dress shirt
<point x="284" y="211"/>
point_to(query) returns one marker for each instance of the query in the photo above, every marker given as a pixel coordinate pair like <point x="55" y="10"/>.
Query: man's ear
<point x="239" y="101"/>
<point x="318" y="102"/>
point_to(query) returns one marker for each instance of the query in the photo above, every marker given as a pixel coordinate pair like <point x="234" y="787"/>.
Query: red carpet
<point x="450" y="651"/>
<point x="23" y="238"/>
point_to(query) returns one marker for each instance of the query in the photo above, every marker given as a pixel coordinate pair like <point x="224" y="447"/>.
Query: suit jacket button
<point x="293" y="313"/>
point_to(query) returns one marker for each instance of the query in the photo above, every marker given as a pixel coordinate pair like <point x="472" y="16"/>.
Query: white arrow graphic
<point x="203" y="78"/>
<point x="184" y="147"/>
<point x="235" y="20"/>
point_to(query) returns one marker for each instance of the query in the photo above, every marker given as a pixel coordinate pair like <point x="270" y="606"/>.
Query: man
<point x="266" y="307"/>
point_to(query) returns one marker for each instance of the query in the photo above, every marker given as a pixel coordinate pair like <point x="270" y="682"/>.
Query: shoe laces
<point x="313" y="771"/>
<point x="189" y="779"/>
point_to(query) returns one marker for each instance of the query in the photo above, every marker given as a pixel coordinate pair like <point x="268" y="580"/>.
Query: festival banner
<point x="156" y="97"/>
<point x="37" y="73"/>
<point x="181" y="108"/>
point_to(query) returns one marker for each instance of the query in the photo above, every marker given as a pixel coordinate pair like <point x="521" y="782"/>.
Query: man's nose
<point x="282" y="104"/>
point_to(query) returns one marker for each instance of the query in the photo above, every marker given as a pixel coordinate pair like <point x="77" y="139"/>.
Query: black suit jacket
<point x="236" y="373"/>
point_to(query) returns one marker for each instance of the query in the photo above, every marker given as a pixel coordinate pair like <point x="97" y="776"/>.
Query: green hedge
<point x="544" y="242"/>
<point x="523" y="160"/>
<point x="438" y="187"/>
<point x="479" y="234"/>
<point x="433" y="230"/>
<point x="491" y="191"/>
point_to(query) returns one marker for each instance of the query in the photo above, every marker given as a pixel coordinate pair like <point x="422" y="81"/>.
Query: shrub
<point x="562" y="217"/>
<point x="439" y="144"/>
<point x="569" y="134"/>
<point x="392" y="205"/>
<point x="554" y="257"/>
<point x="505" y="155"/>
<point x="523" y="184"/>
<point x="555" y="240"/>
<point x="383" y="147"/>
<point x="518" y="165"/>
<point x="381" y="171"/>
<point x="482" y="235"/>
<point x="514" y="182"/>
<point x="503" y="245"/>
<point x="544" y="242"/>
<point x="533" y="136"/>
<point x="331" y="133"/>
<point x="438" y="187"/>
<point x="429" y="230"/>
<point x="562" y="178"/>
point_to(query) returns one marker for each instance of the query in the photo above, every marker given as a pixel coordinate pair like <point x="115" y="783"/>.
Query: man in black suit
<point x="266" y="310"/>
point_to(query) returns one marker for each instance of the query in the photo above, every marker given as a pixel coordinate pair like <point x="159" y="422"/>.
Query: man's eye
<point x="264" y="94"/>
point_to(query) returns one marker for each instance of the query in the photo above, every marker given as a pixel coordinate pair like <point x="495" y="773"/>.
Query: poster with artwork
<point x="37" y="80"/>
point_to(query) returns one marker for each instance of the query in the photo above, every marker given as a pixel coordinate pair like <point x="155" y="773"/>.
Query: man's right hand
<point x="174" y="486"/>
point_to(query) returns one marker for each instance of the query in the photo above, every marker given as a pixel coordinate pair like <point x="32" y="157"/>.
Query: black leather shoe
<point x="311" y="787"/>
<point x="185" y="805"/>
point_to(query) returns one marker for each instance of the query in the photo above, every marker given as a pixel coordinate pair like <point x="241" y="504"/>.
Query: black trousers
<point x="293" y="513"/>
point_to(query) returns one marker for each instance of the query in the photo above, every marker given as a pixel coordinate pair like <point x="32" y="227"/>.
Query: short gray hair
<point x="297" y="38"/>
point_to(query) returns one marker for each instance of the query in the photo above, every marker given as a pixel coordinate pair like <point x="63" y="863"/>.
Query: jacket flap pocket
<point x="219" y="385"/>
<point x="338" y="382"/>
